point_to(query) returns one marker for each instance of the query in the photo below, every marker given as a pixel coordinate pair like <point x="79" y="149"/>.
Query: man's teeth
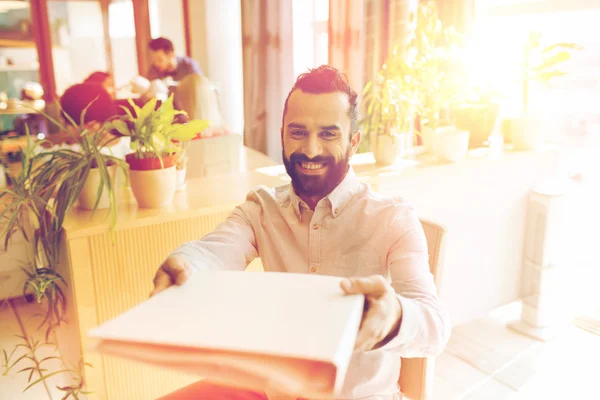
<point x="311" y="166"/>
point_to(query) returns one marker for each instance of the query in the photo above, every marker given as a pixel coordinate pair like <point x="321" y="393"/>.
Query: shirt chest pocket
<point x="361" y="263"/>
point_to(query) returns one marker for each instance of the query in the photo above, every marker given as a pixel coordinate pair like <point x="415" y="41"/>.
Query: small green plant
<point x="153" y="131"/>
<point x="37" y="368"/>
<point x="45" y="283"/>
<point x="541" y="63"/>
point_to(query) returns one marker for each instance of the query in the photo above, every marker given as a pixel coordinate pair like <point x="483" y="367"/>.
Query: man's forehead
<point x="331" y="106"/>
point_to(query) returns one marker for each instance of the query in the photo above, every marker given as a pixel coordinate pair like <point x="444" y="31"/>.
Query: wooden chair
<point x="416" y="374"/>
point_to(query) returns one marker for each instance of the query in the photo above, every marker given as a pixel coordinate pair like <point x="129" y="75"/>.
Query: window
<point x="311" y="37"/>
<point x="121" y="28"/>
<point x="166" y="20"/>
<point x="500" y="31"/>
<point x="77" y="41"/>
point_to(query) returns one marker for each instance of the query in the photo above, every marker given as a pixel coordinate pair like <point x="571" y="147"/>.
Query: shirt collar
<point x="343" y="193"/>
<point x="338" y="198"/>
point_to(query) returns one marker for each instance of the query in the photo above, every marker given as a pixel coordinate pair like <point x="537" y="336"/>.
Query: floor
<point x="18" y="318"/>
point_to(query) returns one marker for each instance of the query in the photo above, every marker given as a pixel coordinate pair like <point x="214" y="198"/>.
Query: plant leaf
<point x="46" y="377"/>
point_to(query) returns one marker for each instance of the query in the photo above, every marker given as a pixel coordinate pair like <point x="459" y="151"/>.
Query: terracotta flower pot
<point x="149" y="163"/>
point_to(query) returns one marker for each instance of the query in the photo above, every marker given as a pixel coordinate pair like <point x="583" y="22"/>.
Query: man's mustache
<point x="301" y="157"/>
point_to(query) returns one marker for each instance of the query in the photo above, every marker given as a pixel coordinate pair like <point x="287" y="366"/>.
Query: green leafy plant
<point x="541" y="64"/>
<point x="390" y="100"/>
<point x="45" y="283"/>
<point x="35" y="205"/>
<point x="94" y="153"/>
<point x="153" y="131"/>
<point x="37" y="367"/>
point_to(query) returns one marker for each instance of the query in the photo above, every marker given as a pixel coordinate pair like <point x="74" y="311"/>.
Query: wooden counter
<point x="481" y="201"/>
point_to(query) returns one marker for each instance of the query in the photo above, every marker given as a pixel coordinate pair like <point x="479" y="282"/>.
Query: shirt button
<point x="313" y="269"/>
<point x="315" y="227"/>
<point x="337" y="210"/>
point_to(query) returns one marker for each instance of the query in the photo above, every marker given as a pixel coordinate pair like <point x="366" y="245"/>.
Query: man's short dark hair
<point x="76" y="98"/>
<point x="97" y="77"/>
<point x="161" y="43"/>
<point x="326" y="79"/>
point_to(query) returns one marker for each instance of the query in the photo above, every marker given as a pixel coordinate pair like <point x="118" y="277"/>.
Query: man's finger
<point x="161" y="281"/>
<point x="371" y="330"/>
<point x="374" y="285"/>
<point x="179" y="272"/>
<point x="369" y="335"/>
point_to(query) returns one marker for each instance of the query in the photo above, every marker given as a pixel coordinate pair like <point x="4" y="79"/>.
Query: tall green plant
<point x="36" y="203"/>
<point x="390" y="100"/>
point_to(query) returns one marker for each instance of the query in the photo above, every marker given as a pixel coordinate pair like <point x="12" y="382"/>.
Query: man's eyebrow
<point x="331" y="128"/>
<point x="294" y="125"/>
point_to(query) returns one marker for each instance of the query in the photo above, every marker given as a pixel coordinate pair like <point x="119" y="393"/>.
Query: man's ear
<point x="354" y="142"/>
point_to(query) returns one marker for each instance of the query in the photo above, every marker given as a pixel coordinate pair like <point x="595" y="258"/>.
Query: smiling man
<point x="327" y="222"/>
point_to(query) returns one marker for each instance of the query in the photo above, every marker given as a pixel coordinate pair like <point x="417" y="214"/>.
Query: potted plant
<point x="540" y="66"/>
<point x="389" y="104"/>
<point x="34" y="205"/>
<point x="478" y="114"/>
<point x="93" y="158"/>
<point x="156" y="141"/>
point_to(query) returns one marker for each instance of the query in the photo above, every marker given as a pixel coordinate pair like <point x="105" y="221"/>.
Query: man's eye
<point x="328" y="134"/>
<point x="298" y="133"/>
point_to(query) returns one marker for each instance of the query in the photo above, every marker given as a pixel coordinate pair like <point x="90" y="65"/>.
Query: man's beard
<point x="316" y="185"/>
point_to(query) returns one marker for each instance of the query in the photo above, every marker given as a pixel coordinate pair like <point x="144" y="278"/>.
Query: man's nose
<point x="312" y="146"/>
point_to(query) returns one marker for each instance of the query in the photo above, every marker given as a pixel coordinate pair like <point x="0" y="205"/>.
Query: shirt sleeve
<point x="231" y="246"/>
<point x="194" y="67"/>
<point x="425" y="326"/>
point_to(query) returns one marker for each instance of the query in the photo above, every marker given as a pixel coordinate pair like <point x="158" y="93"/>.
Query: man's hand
<point x="383" y="311"/>
<point x="174" y="270"/>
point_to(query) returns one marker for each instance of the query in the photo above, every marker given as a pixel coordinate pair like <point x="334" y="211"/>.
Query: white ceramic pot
<point x="154" y="188"/>
<point x="525" y="132"/>
<point x="451" y="146"/>
<point x="389" y="148"/>
<point x="428" y="135"/>
<point x="89" y="192"/>
<point x="181" y="179"/>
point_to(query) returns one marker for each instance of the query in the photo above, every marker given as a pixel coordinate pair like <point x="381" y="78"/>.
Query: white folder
<point x="286" y="333"/>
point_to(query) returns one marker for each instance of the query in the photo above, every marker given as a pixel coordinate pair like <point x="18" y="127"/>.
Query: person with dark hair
<point x="103" y="78"/>
<point x="77" y="97"/>
<point x="328" y="222"/>
<point x="166" y="64"/>
<point x="74" y="100"/>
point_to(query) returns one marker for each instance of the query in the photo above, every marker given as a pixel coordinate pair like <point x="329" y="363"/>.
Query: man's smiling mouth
<point x="311" y="165"/>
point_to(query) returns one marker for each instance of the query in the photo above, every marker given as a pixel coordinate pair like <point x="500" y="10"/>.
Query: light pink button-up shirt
<point x="351" y="232"/>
